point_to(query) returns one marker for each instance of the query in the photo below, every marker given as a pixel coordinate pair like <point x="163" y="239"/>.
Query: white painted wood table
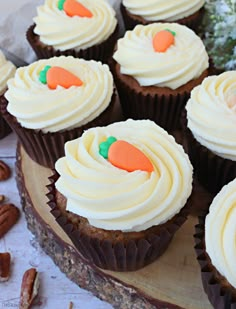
<point x="56" y="290"/>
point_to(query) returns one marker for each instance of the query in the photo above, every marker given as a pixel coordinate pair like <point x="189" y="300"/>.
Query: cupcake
<point x="188" y="13"/>
<point x="155" y="68"/>
<point x="216" y="249"/>
<point x="84" y="29"/>
<point x="120" y="196"/>
<point x="7" y="70"/>
<point x="53" y="100"/>
<point x="211" y="123"/>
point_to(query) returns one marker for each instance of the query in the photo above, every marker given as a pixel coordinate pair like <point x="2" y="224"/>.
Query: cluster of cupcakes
<point x="122" y="185"/>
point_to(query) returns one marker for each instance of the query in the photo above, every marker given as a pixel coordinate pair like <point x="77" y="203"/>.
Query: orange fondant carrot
<point x="57" y="76"/>
<point x="163" y="40"/>
<point x="126" y="156"/>
<point x="232" y="101"/>
<point x="74" y="8"/>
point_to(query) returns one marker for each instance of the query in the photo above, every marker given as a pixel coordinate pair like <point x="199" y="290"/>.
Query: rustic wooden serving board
<point x="173" y="281"/>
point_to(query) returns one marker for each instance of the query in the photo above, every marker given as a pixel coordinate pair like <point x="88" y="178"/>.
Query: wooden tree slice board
<point x="173" y="281"/>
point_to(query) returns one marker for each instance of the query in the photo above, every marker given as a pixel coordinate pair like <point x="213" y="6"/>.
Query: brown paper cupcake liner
<point x="212" y="171"/>
<point x="131" y="20"/>
<point x="97" y="52"/>
<point x="129" y="255"/>
<point x="46" y="148"/>
<point x="220" y="293"/>
<point x="165" y="110"/>
<point x="4" y="128"/>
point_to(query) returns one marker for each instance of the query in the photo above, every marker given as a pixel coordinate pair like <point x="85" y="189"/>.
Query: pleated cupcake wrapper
<point x="5" y="129"/>
<point x="97" y="52"/>
<point x="219" y="296"/>
<point x="131" y="20"/>
<point x="165" y="110"/>
<point x="46" y="148"/>
<point x="132" y="255"/>
<point x="212" y="171"/>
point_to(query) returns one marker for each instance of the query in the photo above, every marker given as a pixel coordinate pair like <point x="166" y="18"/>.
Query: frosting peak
<point x="220" y="232"/>
<point x="158" y="10"/>
<point x="211" y="114"/>
<point x="183" y="61"/>
<point x="7" y="70"/>
<point x="113" y="198"/>
<point x="63" y="32"/>
<point x="38" y="107"/>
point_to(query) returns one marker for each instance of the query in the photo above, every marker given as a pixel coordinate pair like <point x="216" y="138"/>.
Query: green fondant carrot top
<point x="57" y="76"/>
<point x="125" y="155"/>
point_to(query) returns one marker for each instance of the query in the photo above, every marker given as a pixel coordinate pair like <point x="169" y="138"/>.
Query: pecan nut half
<point x="9" y="214"/>
<point x="5" y="171"/>
<point x="2" y="198"/>
<point x="29" y="288"/>
<point x="5" y="261"/>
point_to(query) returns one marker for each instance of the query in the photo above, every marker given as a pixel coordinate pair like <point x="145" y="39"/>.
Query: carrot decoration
<point x="104" y="146"/>
<point x="232" y="101"/>
<point x="74" y="8"/>
<point x="57" y="76"/>
<point x="125" y="155"/>
<point x="43" y="74"/>
<point x="163" y="40"/>
<point x="60" y="4"/>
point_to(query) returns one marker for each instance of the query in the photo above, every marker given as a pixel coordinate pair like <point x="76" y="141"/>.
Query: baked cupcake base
<point x="46" y="148"/>
<point x="162" y="105"/>
<point x="212" y="171"/>
<point x="220" y="293"/>
<point x="98" y="52"/>
<point x="113" y="250"/>
<point x="130" y="20"/>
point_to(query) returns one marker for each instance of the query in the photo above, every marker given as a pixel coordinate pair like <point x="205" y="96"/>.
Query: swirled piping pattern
<point x="57" y="29"/>
<point x="185" y="60"/>
<point x="157" y="10"/>
<point x="114" y="199"/>
<point x="211" y="114"/>
<point x="220" y="232"/>
<point x="7" y="70"/>
<point x="38" y="107"/>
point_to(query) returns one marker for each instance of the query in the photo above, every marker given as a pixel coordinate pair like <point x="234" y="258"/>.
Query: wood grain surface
<point x="173" y="281"/>
<point x="56" y="290"/>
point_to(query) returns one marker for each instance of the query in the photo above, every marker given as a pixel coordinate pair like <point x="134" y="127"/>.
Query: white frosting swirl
<point x="183" y="61"/>
<point x="37" y="107"/>
<point x="211" y="114"/>
<point x="57" y="29"/>
<point x="114" y="199"/>
<point x="220" y="232"/>
<point x="7" y="70"/>
<point x="157" y="10"/>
